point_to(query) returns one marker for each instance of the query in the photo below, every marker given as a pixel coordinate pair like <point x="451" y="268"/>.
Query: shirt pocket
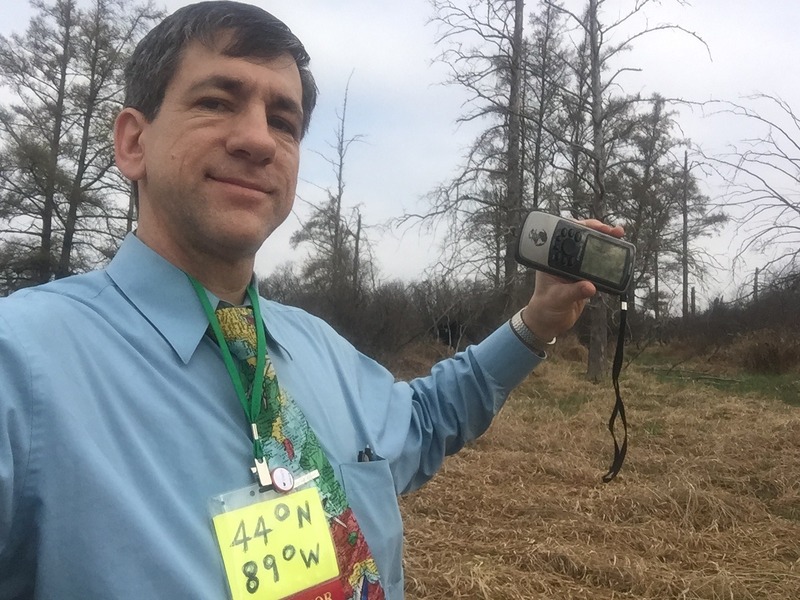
<point x="370" y="491"/>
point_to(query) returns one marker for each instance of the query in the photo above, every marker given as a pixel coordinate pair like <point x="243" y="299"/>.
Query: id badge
<point x="276" y="546"/>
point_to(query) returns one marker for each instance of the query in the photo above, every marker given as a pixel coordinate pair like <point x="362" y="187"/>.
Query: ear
<point x="128" y="146"/>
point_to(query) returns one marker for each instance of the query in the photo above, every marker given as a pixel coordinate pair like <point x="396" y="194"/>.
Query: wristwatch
<point x="527" y="337"/>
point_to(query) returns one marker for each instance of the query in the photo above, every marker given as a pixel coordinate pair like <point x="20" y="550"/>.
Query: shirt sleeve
<point x="15" y="436"/>
<point x="352" y="400"/>
<point x="435" y="416"/>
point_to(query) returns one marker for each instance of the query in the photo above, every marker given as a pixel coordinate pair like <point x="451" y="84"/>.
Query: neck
<point x="226" y="279"/>
<point x="224" y="288"/>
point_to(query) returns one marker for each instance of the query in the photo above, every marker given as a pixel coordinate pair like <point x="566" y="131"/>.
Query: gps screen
<point x="604" y="260"/>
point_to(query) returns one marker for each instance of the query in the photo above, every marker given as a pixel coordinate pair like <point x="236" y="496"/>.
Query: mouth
<point x="243" y="183"/>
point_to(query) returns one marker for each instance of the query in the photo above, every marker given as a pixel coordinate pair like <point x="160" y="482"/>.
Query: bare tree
<point x="339" y="267"/>
<point x="546" y="74"/>
<point x="482" y="43"/>
<point x="658" y="197"/>
<point x="698" y="219"/>
<point x="63" y="207"/>
<point x="763" y="177"/>
<point x="608" y="113"/>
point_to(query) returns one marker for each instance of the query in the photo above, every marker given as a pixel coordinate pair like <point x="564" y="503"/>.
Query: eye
<point x="213" y="104"/>
<point x="284" y="125"/>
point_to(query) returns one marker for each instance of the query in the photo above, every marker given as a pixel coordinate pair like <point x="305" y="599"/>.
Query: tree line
<point x="558" y="132"/>
<point x="64" y="207"/>
<point x="564" y="136"/>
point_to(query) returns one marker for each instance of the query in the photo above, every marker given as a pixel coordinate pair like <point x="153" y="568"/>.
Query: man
<point x="120" y="432"/>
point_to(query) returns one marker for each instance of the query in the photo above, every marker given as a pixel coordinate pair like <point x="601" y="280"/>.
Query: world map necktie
<point x="288" y="440"/>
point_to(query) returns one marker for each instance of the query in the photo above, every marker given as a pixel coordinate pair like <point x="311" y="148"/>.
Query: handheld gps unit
<point x="571" y="250"/>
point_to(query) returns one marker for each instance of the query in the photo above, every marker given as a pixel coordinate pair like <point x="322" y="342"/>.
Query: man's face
<point x="221" y="157"/>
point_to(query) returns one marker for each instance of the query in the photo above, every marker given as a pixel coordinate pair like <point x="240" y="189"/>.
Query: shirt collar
<point x="163" y="294"/>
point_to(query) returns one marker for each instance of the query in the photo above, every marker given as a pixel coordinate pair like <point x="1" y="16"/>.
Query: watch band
<point x="527" y="337"/>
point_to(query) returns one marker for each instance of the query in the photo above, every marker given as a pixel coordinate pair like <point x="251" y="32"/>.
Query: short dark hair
<point x="255" y="33"/>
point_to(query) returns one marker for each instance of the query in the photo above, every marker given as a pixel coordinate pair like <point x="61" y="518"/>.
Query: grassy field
<point x="707" y="504"/>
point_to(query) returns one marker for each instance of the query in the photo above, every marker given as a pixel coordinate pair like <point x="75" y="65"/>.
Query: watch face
<point x="282" y="479"/>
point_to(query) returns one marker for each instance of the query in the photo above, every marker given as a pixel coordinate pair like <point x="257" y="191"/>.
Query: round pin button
<point x="282" y="479"/>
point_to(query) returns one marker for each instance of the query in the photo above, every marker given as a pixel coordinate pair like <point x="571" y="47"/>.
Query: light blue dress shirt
<point x="118" y="423"/>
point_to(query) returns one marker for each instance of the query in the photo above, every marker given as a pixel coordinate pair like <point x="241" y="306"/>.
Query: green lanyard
<point x="252" y="407"/>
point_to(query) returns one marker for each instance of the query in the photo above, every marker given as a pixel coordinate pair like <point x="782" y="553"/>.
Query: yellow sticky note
<point x="278" y="547"/>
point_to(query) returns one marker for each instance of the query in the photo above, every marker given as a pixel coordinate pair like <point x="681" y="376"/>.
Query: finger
<point x="615" y="230"/>
<point x="566" y="294"/>
<point x="574" y="290"/>
<point x="583" y="290"/>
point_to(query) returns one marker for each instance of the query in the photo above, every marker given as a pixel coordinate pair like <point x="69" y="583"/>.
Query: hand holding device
<point x="571" y="250"/>
<point x="574" y="251"/>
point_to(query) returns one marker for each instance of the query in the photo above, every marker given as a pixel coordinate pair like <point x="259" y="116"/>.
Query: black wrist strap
<point x="619" y="407"/>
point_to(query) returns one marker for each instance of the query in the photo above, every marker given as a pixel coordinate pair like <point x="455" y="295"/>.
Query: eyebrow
<point x="234" y="85"/>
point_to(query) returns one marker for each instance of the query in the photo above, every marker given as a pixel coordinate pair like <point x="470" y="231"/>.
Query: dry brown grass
<point x="707" y="504"/>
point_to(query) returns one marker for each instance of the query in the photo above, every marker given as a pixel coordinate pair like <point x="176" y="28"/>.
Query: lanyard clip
<point x="261" y="471"/>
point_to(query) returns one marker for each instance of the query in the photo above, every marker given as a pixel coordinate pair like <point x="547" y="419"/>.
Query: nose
<point x="250" y="136"/>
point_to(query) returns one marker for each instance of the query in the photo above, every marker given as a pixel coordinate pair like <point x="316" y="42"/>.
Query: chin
<point x="244" y="247"/>
<point x="243" y="235"/>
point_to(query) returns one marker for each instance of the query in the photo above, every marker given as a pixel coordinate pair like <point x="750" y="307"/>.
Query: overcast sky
<point x="411" y="142"/>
